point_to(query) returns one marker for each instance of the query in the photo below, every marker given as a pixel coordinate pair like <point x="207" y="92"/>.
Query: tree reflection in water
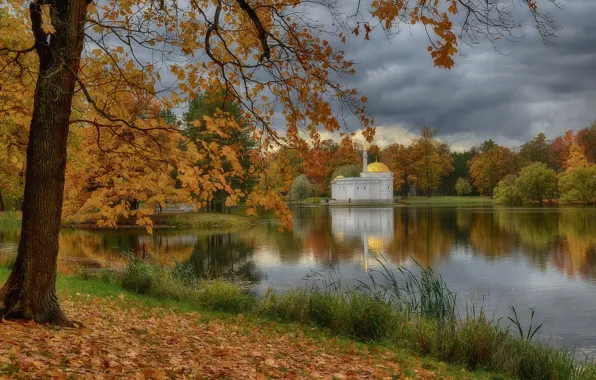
<point x="562" y="238"/>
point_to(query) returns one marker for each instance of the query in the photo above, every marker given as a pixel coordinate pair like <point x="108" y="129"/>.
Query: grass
<point x="401" y="310"/>
<point x="189" y="220"/>
<point x="145" y="325"/>
<point x="10" y="219"/>
<point x="446" y="200"/>
<point x="397" y="309"/>
<point x="202" y="220"/>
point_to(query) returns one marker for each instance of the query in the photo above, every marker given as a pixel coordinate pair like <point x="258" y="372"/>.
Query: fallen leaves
<point x="123" y="340"/>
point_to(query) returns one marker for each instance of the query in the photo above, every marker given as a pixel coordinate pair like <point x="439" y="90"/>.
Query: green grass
<point x="106" y="286"/>
<point x="202" y="220"/>
<point x="446" y="200"/>
<point x="10" y="219"/>
<point x="401" y="310"/>
<point x="190" y="220"/>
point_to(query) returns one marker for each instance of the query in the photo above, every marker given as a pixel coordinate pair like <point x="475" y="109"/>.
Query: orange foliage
<point x="488" y="168"/>
<point x="561" y="147"/>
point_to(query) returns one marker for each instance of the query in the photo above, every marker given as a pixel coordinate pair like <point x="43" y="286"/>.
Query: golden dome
<point x="338" y="177"/>
<point x="377" y="167"/>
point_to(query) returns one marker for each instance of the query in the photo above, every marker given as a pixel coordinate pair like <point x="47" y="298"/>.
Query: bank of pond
<point x="399" y="308"/>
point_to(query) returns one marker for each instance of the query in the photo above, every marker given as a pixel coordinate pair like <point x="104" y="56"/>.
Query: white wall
<point x="378" y="187"/>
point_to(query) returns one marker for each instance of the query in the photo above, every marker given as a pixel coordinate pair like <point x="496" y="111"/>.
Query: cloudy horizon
<point x="509" y="95"/>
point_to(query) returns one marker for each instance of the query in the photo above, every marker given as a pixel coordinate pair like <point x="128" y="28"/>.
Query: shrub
<point x="578" y="185"/>
<point x="139" y="277"/>
<point x="463" y="187"/>
<point x="224" y="296"/>
<point x="507" y="193"/>
<point x="537" y="182"/>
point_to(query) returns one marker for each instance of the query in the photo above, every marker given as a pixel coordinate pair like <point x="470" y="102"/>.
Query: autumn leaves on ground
<point x="122" y="335"/>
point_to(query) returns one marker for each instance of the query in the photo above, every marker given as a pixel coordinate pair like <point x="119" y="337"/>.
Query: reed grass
<point x="397" y="307"/>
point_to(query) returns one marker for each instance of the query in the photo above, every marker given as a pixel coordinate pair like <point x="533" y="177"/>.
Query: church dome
<point x="377" y="167"/>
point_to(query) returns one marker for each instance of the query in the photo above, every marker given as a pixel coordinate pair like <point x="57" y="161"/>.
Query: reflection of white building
<point x="375" y="184"/>
<point x="373" y="225"/>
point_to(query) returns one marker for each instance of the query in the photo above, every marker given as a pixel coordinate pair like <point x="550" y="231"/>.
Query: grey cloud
<point x="508" y="97"/>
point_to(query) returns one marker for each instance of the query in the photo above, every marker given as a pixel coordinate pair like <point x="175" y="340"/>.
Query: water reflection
<point x="371" y="227"/>
<point x="562" y="239"/>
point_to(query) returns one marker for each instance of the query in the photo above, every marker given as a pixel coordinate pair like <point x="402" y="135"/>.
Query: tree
<point x="507" y="192"/>
<point x="561" y="148"/>
<point x="538" y="150"/>
<point x="401" y="161"/>
<point x="579" y="185"/>
<point x="461" y="161"/>
<point x="239" y="139"/>
<point x="347" y="171"/>
<point x="241" y="42"/>
<point x="373" y="153"/>
<point x="586" y="139"/>
<point x="537" y="182"/>
<point x="463" y="187"/>
<point x="577" y="158"/>
<point x="489" y="167"/>
<point x="432" y="160"/>
<point x="301" y="189"/>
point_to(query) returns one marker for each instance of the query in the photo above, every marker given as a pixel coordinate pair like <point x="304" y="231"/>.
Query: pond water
<point x="540" y="258"/>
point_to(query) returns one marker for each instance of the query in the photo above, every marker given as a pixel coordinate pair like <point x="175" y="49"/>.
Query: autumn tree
<point x="270" y="56"/>
<point x="561" y="148"/>
<point x="586" y="139"/>
<point x="403" y="164"/>
<point x="489" y="167"/>
<point x="538" y="150"/>
<point x="317" y="169"/>
<point x="373" y="153"/>
<point x="432" y="160"/>
<point x="346" y="154"/>
<point x="577" y="158"/>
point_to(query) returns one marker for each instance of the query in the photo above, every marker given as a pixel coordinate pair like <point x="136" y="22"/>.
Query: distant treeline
<point x="563" y="168"/>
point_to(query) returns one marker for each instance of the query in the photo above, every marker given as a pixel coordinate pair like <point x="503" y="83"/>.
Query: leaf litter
<point x="120" y="339"/>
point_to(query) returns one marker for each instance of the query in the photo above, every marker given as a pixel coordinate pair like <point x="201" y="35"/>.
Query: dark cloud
<point x="508" y="96"/>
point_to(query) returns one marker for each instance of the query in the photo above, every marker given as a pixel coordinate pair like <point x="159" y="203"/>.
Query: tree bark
<point x="2" y="208"/>
<point x="30" y="291"/>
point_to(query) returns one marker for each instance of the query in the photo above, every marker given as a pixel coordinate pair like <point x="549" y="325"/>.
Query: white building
<point x="375" y="184"/>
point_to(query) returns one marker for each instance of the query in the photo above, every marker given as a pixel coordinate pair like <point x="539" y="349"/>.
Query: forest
<point x="562" y="169"/>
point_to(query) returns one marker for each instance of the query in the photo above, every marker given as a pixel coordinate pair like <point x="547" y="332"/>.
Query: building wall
<point x="364" y="189"/>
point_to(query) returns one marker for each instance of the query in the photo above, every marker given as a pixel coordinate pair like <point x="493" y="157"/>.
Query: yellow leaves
<point x="46" y="19"/>
<point x="92" y="9"/>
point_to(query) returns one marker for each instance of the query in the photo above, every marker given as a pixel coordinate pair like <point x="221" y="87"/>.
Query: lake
<point x="537" y="257"/>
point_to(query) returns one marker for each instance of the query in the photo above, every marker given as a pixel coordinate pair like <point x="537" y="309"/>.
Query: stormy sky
<point x="528" y="87"/>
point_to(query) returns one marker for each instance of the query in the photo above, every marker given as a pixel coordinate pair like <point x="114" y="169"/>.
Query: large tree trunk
<point x="30" y="291"/>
